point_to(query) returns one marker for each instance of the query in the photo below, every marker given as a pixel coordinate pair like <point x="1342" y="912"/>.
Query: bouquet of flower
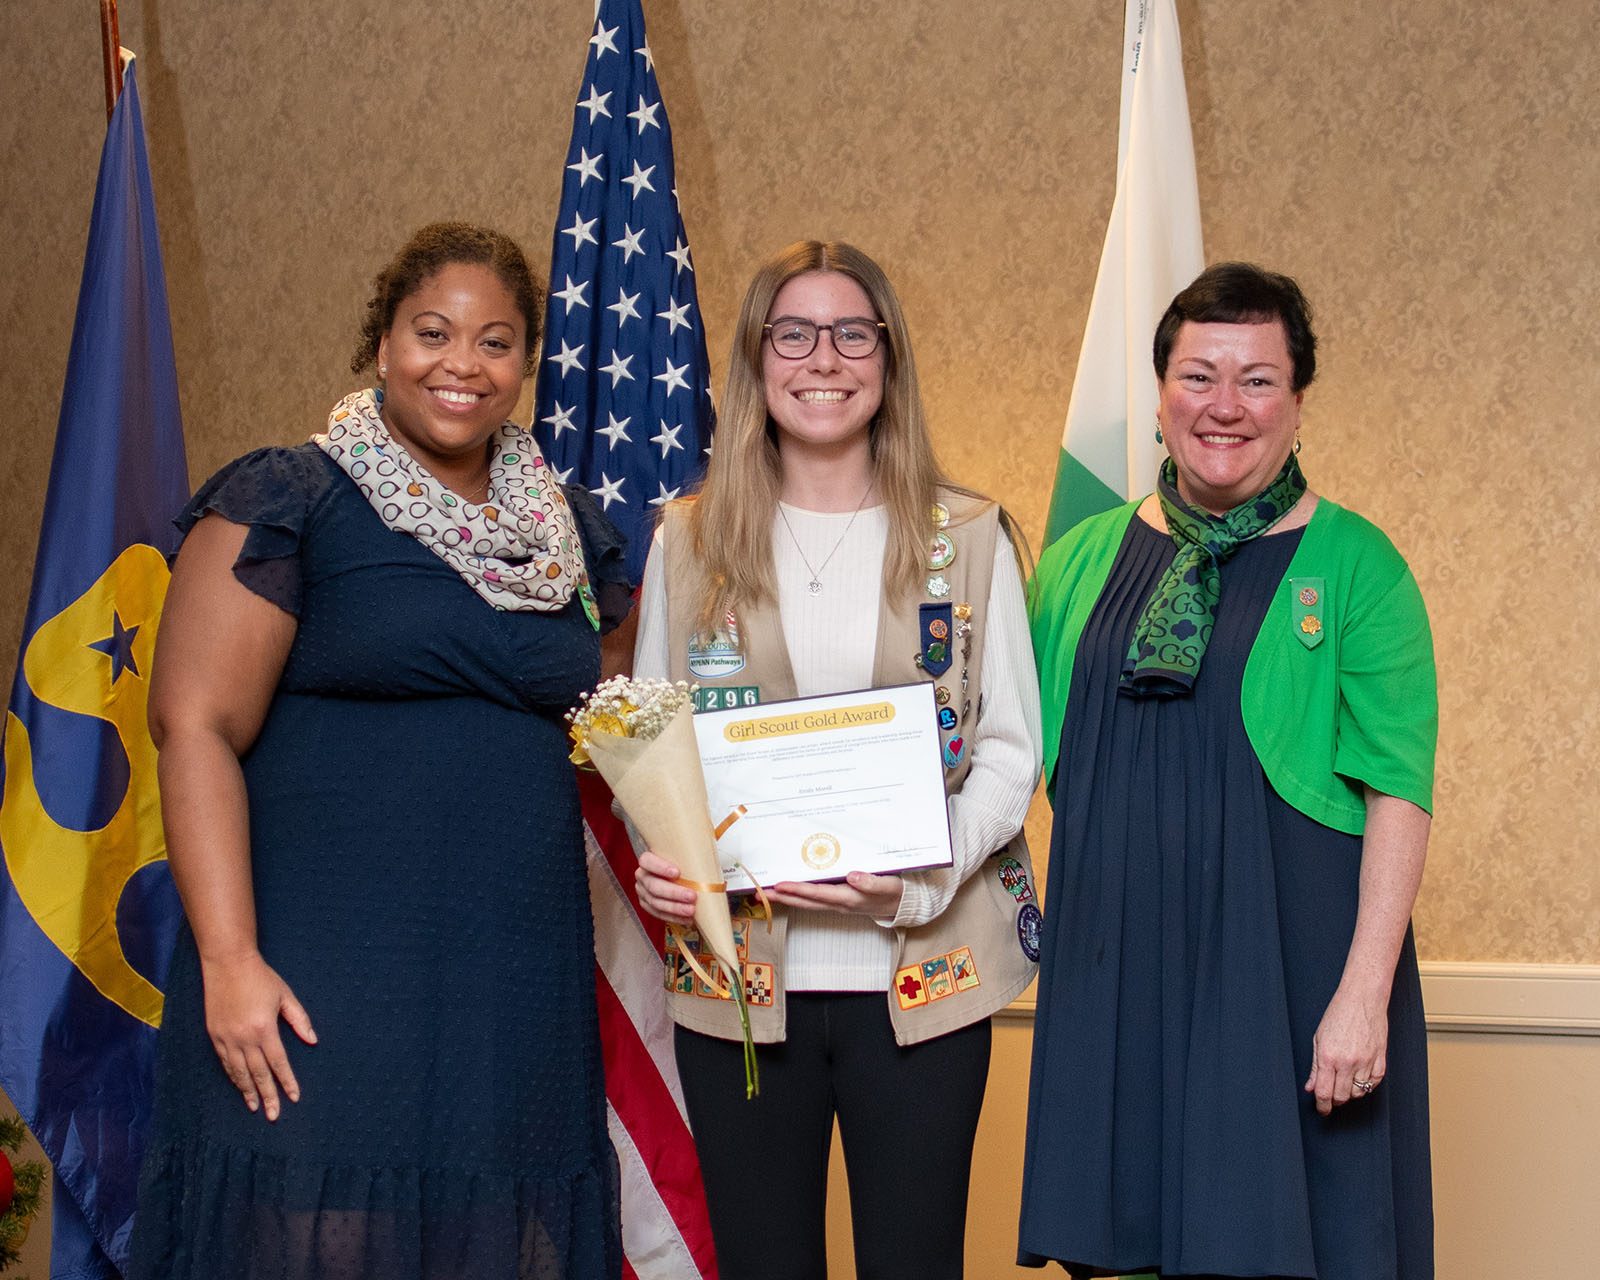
<point x="637" y="733"/>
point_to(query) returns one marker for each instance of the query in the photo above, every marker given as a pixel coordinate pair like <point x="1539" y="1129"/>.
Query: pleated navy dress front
<point x="1196" y="927"/>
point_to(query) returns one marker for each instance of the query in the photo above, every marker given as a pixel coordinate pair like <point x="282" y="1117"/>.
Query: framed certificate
<point x="814" y="788"/>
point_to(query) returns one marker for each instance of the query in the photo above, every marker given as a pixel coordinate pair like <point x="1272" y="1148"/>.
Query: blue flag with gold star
<point x="87" y="907"/>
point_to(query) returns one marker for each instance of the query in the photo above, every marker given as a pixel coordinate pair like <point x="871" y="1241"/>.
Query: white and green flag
<point x="1153" y="248"/>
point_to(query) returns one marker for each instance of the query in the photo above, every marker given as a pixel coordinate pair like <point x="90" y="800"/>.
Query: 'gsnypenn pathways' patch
<point x="715" y="660"/>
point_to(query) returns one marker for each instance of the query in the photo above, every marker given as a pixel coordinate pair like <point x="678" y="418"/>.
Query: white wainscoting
<point x="1510" y="999"/>
<point x="1503" y="999"/>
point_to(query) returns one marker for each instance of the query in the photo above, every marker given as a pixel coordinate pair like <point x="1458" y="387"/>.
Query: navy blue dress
<point x="418" y="865"/>
<point x="1196" y="928"/>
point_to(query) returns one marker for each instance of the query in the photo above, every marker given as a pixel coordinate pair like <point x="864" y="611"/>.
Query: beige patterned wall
<point x="1430" y="171"/>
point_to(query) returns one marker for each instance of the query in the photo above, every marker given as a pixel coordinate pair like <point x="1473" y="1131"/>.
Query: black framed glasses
<point x="853" y="337"/>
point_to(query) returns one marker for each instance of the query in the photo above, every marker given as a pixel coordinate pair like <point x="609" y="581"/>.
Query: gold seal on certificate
<point x="820" y="851"/>
<point x="827" y="785"/>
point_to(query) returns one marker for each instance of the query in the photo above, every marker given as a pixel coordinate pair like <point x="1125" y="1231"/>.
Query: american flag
<point x="623" y="407"/>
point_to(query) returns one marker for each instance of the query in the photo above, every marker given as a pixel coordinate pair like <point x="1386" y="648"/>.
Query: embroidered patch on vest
<point x="935" y="978"/>
<point x="721" y="655"/>
<point x="727" y="697"/>
<point x="1015" y="880"/>
<point x="909" y="987"/>
<point x="1029" y="923"/>
<point x="759" y="983"/>
<point x="679" y="976"/>
<point x="963" y="969"/>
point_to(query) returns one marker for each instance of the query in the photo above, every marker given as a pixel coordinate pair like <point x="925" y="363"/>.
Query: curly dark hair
<point x="433" y="247"/>
<point x="1243" y="293"/>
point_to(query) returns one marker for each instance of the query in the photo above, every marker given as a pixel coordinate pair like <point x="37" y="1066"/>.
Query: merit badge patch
<point x="758" y="983"/>
<point x="1029" y="923"/>
<point x="678" y="977"/>
<point x="936" y="973"/>
<point x="713" y="967"/>
<point x="963" y="970"/>
<point x="909" y="988"/>
<point x="1015" y="880"/>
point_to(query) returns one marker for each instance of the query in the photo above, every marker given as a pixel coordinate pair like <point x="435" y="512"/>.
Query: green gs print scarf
<point x="1170" y="639"/>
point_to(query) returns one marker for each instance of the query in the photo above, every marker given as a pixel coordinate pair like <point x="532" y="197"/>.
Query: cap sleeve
<point x="272" y="492"/>
<point x="605" y="557"/>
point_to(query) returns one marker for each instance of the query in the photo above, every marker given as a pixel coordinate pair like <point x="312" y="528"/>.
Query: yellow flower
<point x="1310" y="624"/>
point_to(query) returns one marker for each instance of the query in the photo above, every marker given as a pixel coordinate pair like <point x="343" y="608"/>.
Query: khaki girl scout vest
<point x="983" y="950"/>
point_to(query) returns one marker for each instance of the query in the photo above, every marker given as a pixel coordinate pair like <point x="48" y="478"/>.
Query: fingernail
<point x="252" y="1104"/>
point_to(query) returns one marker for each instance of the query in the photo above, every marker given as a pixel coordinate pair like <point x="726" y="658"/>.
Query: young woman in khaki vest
<point x="824" y="544"/>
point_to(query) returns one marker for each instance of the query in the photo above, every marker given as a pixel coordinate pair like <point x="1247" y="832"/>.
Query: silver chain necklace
<point x="815" y="585"/>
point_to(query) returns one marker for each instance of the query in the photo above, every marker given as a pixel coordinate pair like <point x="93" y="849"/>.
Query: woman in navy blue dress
<point x="1230" y="1062"/>
<point x="380" y="1055"/>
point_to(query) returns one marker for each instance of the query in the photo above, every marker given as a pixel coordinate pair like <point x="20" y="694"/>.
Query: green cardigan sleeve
<point x="1068" y="580"/>
<point x="1359" y="709"/>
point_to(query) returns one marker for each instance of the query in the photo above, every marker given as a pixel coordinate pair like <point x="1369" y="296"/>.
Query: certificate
<point x="813" y="788"/>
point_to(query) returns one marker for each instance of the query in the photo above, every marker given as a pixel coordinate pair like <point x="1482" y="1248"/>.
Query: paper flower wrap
<point x="639" y="735"/>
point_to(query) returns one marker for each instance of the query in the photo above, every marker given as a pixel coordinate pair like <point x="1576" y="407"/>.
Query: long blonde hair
<point x="730" y="521"/>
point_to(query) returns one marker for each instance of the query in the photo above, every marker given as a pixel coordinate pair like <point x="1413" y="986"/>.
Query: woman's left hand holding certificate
<point x="861" y="893"/>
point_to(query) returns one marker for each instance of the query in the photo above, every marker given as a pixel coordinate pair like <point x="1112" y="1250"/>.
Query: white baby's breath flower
<point x="627" y="708"/>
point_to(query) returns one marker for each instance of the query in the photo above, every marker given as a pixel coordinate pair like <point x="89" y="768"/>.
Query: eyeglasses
<point x="855" y="338"/>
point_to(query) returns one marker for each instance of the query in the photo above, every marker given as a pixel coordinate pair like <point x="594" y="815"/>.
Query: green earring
<point x="1158" y="431"/>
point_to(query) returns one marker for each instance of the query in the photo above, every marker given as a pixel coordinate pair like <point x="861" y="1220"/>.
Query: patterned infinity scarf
<point x="519" y="549"/>
<point x="1170" y="639"/>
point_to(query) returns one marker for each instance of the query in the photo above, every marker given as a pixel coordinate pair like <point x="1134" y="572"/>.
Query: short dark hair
<point x="432" y="248"/>
<point x="1243" y="293"/>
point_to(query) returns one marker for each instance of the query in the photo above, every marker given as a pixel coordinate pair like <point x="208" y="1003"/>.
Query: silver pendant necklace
<point x="814" y="587"/>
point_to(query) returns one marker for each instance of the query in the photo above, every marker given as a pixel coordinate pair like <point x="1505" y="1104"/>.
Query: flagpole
<point x="110" y="54"/>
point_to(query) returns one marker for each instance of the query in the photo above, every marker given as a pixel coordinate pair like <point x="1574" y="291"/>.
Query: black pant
<point x="907" y="1120"/>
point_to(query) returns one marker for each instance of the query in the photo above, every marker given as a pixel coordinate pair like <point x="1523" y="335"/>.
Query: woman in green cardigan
<point x="1229" y="1070"/>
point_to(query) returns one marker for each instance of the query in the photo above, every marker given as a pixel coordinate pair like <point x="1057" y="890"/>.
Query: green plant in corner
<point x="21" y="1190"/>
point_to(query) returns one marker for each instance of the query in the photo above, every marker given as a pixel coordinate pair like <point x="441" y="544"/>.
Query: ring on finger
<point x="1365" y="1086"/>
